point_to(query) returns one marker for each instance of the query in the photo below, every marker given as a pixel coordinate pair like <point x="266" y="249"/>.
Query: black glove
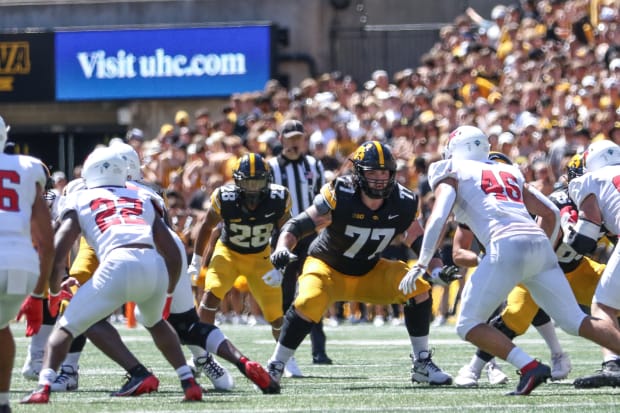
<point x="445" y="275"/>
<point x="281" y="258"/>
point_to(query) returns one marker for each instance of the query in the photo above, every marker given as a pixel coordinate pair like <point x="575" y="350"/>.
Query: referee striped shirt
<point x="303" y="177"/>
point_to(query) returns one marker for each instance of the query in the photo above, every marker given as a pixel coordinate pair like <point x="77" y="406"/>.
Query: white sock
<point x="39" y="340"/>
<point x="547" y="331"/>
<point x="419" y="345"/>
<point x="72" y="360"/>
<point x="282" y="353"/>
<point x="47" y="377"/>
<point x="477" y="364"/>
<point x="184" y="372"/>
<point x="519" y="358"/>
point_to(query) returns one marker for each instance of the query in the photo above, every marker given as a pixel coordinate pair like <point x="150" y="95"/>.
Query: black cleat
<point x="607" y="376"/>
<point x="321" y="358"/>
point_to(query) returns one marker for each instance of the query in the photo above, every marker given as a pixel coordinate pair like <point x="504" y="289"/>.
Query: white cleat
<point x="67" y="380"/>
<point x="495" y="375"/>
<point x="560" y="366"/>
<point x="292" y="369"/>
<point x="219" y="376"/>
<point x="32" y="365"/>
<point x="467" y="377"/>
<point x="424" y="370"/>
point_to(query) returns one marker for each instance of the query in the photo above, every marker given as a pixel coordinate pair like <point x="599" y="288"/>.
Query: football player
<point x="357" y="217"/>
<point x="24" y="272"/>
<point x="493" y="200"/>
<point x="597" y="197"/>
<point x="251" y="210"/>
<point x="138" y="258"/>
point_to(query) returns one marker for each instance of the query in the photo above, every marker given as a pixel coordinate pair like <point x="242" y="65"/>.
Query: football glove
<point x="54" y="300"/>
<point x="194" y="267"/>
<point x="166" y="312"/>
<point x="407" y="284"/>
<point x="443" y="276"/>
<point x="32" y="309"/>
<point x="273" y="278"/>
<point x="281" y="258"/>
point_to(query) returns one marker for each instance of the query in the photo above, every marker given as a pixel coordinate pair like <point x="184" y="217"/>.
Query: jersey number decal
<point x="123" y="211"/>
<point x="9" y="199"/>
<point x="508" y="188"/>
<point x="362" y="235"/>
<point x="247" y="236"/>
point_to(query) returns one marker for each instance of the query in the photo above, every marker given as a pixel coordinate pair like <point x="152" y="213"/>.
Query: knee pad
<point x="499" y="324"/>
<point x="189" y="328"/>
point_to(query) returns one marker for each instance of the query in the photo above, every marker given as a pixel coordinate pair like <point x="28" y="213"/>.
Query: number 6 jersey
<point x="489" y="198"/>
<point x="111" y="217"/>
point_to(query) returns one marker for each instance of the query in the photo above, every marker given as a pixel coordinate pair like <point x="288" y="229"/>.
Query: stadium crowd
<point x="540" y="78"/>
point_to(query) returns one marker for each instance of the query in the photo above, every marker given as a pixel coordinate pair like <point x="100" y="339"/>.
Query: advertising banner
<point x="162" y="63"/>
<point x="26" y="67"/>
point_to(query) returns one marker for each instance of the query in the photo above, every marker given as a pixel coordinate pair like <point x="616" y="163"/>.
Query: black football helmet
<point x="499" y="157"/>
<point x="252" y="177"/>
<point x="574" y="168"/>
<point x="373" y="155"/>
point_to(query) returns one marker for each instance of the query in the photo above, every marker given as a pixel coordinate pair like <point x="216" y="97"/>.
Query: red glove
<point x="569" y="214"/>
<point x="166" y="313"/>
<point x="54" y="300"/>
<point x="32" y="308"/>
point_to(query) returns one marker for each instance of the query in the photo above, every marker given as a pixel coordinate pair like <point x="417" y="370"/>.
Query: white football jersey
<point x="604" y="184"/>
<point x="18" y="177"/>
<point x="111" y="217"/>
<point x="489" y="198"/>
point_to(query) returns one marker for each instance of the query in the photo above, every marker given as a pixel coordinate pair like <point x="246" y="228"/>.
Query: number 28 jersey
<point x="357" y="235"/>
<point x="111" y="217"/>
<point x="245" y="231"/>
<point x="489" y="198"/>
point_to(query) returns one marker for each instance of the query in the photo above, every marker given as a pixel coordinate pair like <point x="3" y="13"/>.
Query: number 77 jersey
<point x="489" y="198"/>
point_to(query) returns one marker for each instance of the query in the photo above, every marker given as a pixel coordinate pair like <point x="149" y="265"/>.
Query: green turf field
<point x="371" y="373"/>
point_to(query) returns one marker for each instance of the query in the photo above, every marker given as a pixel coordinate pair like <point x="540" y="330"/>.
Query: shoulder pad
<point x="440" y="170"/>
<point x="579" y="189"/>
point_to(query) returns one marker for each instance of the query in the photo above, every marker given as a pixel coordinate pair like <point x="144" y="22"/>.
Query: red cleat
<point x="135" y="386"/>
<point x="192" y="390"/>
<point x="259" y="376"/>
<point x="40" y="396"/>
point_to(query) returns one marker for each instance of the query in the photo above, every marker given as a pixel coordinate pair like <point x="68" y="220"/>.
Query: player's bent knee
<point x="464" y="326"/>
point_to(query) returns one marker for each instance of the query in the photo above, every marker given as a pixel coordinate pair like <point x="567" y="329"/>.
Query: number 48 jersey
<point x="489" y="198"/>
<point x="111" y="217"/>
<point x="245" y="231"/>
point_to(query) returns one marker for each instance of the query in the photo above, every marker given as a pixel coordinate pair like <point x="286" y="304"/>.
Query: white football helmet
<point x="104" y="167"/>
<point x="129" y="154"/>
<point x="467" y="142"/>
<point x="3" y="133"/>
<point x="600" y="154"/>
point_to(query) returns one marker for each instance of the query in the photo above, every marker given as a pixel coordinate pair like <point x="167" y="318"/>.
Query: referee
<point x="304" y="176"/>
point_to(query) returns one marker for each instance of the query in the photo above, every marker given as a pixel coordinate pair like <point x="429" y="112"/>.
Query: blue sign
<point x="162" y="63"/>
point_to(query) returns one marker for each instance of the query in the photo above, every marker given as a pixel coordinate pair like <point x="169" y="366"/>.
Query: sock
<point x="138" y="371"/>
<point x="419" y="345"/>
<point x="47" y="377"/>
<point x="184" y="372"/>
<point x="40" y="339"/>
<point x="547" y="331"/>
<point x="214" y="340"/>
<point x="282" y="353"/>
<point x="72" y="360"/>
<point x="477" y="364"/>
<point x="519" y="358"/>
<point x="4" y="399"/>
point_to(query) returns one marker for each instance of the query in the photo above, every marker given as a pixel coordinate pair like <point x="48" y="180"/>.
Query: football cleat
<point x="532" y="375"/>
<point x="276" y="370"/>
<point x="467" y="377"/>
<point x="424" y="370"/>
<point x="32" y="365"/>
<point x="67" y="380"/>
<point x="40" y="396"/>
<point x="260" y="377"/>
<point x="5" y="408"/>
<point x="292" y="369"/>
<point x="321" y="358"/>
<point x="560" y="366"/>
<point x="495" y="375"/>
<point x="219" y="376"/>
<point x="135" y="386"/>
<point x="192" y="390"/>
<point x="607" y="376"/>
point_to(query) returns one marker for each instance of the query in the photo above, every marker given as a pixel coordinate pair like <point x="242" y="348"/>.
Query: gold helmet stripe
<point x="380" y="152"/>
<point x="252" y="159"/>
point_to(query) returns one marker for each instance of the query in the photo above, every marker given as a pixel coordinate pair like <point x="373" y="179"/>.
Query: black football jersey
<point x="248" y="231"/>
<point x="568" y="258"/>
<point x="357" y="235"/>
